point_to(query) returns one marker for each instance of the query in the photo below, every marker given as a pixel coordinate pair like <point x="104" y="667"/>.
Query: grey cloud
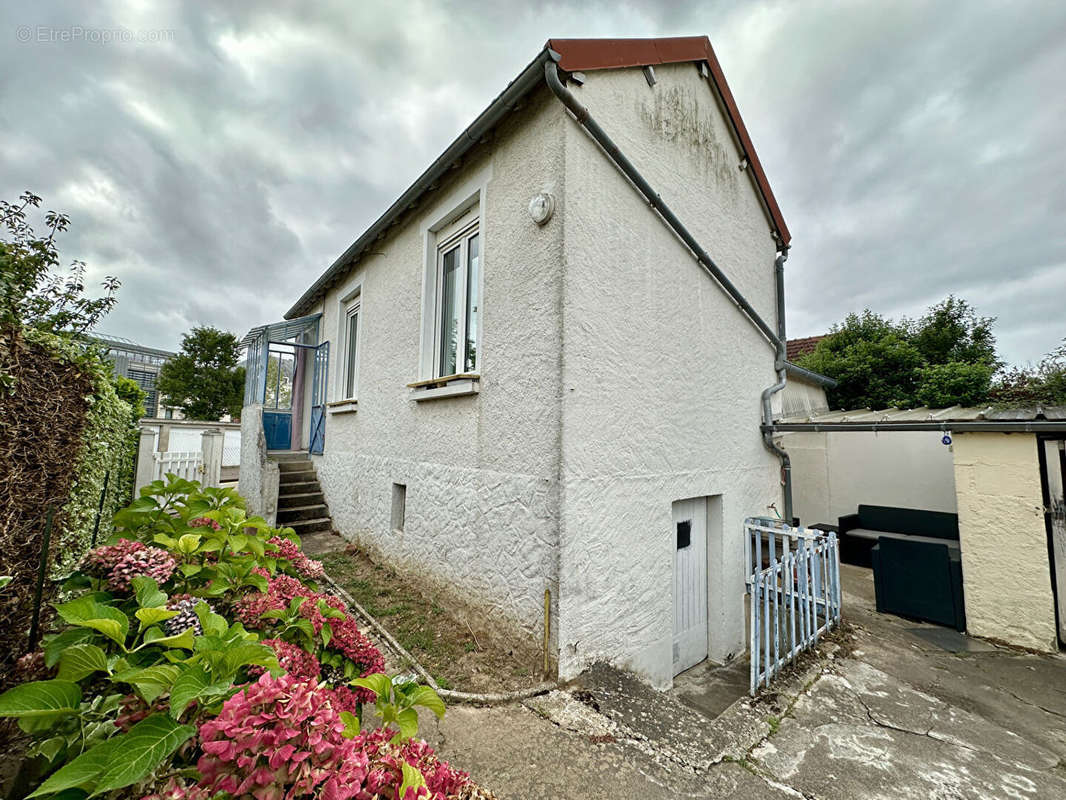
<point x="915" y="148"/>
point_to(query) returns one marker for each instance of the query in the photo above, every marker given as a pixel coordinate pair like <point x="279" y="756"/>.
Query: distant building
<point x="141" y="365"/>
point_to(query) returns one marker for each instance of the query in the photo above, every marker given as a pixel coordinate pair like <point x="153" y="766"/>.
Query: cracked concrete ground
<point x="900" y="710"/>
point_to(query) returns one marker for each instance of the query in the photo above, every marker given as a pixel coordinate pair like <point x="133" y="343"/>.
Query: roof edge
<point x="527" y="79"/>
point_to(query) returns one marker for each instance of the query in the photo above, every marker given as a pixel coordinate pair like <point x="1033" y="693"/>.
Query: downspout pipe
<point x="782" y="379"/>
<point x="776" y="339"/>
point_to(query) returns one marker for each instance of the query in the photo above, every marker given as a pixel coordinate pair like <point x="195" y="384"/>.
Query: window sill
<point x="449" y="386"/>
<point x="342" y="407"/>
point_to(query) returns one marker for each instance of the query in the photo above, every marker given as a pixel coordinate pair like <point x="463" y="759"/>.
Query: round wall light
<point x="541" y="207"/>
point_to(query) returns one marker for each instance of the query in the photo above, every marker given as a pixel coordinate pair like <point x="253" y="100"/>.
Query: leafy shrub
<point x="147" y="689"/>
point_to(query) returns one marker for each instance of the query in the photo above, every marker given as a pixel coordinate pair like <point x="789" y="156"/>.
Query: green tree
<point x="947" y="357"/>
<point x="872" y="360"/>
<point x="951" y="332"/>
<point x="204" y="379"/>
<point x="33" y="291"/>
<point x="1044" y="384"/>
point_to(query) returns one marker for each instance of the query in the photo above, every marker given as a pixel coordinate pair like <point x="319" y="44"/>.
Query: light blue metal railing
<point x="794" y="597"/>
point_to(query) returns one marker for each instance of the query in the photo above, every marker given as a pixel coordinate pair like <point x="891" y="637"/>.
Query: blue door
<point x="277" y="425"/>
<point x="317" y="438"/>
<point x="280" y="385"/>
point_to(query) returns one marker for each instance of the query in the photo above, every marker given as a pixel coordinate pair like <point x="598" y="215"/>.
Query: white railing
<point x="794" y="586"/>
<point x="187" y="465"/>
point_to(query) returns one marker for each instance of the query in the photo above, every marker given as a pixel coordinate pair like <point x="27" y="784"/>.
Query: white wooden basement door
<point x="690" y="583"/>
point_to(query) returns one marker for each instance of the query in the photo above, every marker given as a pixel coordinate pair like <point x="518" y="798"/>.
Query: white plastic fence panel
<point x="187" y="465"/>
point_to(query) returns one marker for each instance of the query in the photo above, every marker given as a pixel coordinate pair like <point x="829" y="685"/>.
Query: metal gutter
<point x="974" y="426"/>
<point x="505" y="102"/>
<point x="806" y="374"/>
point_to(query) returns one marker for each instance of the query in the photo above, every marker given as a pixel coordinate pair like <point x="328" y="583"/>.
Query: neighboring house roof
<point x="800" y="347"/>
<point x="956" y="418"/>
<point x="572" y="55"/>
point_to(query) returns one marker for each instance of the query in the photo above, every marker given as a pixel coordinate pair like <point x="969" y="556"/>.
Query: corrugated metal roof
<point x="1033" y="418"/>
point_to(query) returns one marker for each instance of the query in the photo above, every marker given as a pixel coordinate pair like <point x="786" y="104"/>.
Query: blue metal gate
<point x="795" y="597"/>
<point x="319" y="383"/>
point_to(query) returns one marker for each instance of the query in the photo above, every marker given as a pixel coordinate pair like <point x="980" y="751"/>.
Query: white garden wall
<point x="832" y="473"/>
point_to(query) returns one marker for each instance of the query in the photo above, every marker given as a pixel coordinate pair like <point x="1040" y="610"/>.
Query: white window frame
<point x="350" y="303"/>
<point x="466" y="201"/>
<point x="457" y="235"/>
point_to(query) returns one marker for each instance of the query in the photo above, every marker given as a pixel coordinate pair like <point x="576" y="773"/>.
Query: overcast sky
<point x="222" y="160"/>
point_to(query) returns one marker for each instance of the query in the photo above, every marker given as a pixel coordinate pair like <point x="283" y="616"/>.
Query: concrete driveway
<point x="895" y="709"/>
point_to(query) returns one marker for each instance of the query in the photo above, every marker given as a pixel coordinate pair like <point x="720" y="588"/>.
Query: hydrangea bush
<point x="199" y="659"/>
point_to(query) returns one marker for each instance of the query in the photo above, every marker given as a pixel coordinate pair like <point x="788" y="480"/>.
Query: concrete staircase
<point x="301" y="504"/>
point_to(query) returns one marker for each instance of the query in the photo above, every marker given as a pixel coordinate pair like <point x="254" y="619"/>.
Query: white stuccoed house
<point x="523" y="377"/>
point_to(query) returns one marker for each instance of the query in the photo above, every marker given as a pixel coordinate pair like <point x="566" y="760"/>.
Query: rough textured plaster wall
<point x="662" y="375"/>
<point x="1005" y="569"/>
<point x="480" y="470"/>
<point x="258" y="477"/>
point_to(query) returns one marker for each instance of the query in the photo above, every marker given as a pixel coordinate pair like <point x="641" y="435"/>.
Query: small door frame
<point x="690" y="583"/>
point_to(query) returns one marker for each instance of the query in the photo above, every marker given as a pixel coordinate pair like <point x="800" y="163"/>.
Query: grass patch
<point x="458" y="655"/>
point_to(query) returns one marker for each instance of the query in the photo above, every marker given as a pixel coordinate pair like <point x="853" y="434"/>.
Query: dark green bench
<point x="860" y="532"/>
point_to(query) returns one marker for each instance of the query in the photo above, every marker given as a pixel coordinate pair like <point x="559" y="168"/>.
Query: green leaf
<point x="5" y="580"/>
<point x="190" y="570"/>
<point x="147" y="745"/>
<point x="184" y="640"/>
<point x="245" y="654"/>
<point x="40" y="700"/>
<point x="146" y="590"/>
<point x="168" y="542"/>
<point x="152" y="616"/>
<point x="51" y="748"/>
<point x="427" y="698"/>
<point x="88" y="613"/>
<point x="412" y="778"/>
<point x="326" y="633"/>
<point x="82" y="771"/>
<point x="188" y="543"/>
<point x="378" y="683"/>
<point x="58" y="644"/>
<point x="150" y="682"/>
<point x="257" y="581"/>
<point x="407" y="722"/>
<point x="212" y="623"/>
<point x="188" y="686"/>
<point x="80" y="661"/>
<point x="351" y="724"/>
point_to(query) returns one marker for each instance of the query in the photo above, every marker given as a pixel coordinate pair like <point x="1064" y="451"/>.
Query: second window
<point x="458" y="279"/>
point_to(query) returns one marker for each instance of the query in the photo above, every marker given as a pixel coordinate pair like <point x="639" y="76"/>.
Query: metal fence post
<point x="100" y="508"/>
<point x="42" y="569"/>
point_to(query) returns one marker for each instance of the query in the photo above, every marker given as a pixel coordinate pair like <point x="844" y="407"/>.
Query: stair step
<point x="288" y="456"/>
<point x="303" y="487"/>
<point x="296" y="466"/>
<point x="295" y="500"/>
<point x="297" y="477"/>
<point x="289" y="515"/>
<point x="303" y="525"/>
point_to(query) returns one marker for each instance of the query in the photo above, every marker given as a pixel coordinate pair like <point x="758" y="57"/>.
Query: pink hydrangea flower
<point x="204" y="522"/>
<point x="308" y="568"/>
<point x="149" y="561"/>
<point x="103" y="559"/>
<point x="280" y="739"/>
